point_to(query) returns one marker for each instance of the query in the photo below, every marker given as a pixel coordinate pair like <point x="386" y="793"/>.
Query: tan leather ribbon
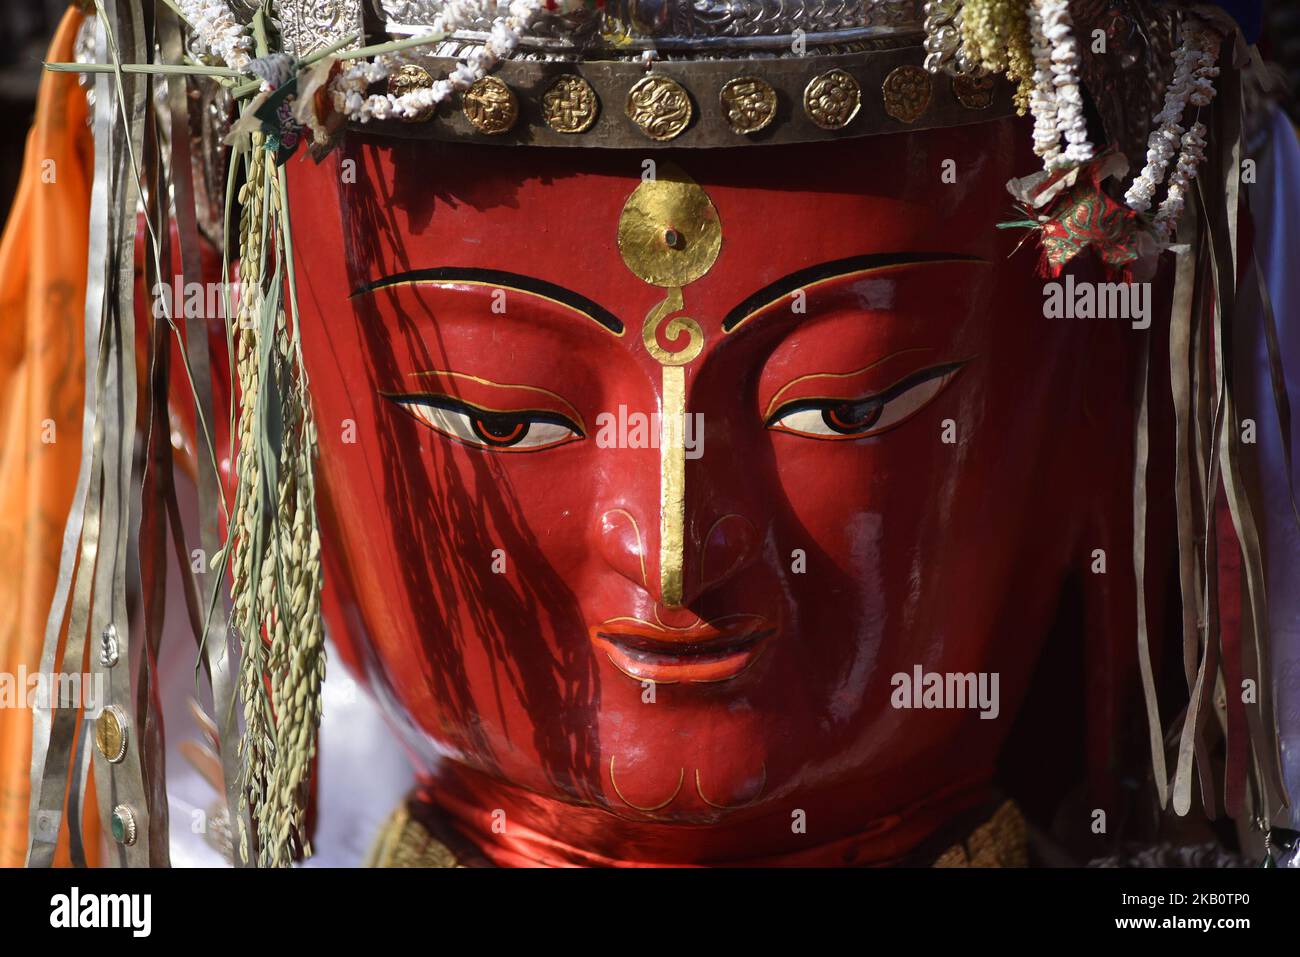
<point x="1222" y="218"/>
<point x="1190" y="565"/>
<point x="1140" y="458"/>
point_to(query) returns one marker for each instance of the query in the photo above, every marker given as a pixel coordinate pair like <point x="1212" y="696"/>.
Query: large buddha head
<point x="717" y="443"/>
<point x="650" y="475"/>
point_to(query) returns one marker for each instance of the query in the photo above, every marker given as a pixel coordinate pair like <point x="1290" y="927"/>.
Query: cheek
<point x="538" y="529"/>
<point x="861" y="503"/>
<point x="461" y="527"/>
<point x="868" y="519"/>
<point x="458" y="563"/>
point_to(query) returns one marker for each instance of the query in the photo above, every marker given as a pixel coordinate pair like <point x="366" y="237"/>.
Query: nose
<point x="716" y="545"/>
<point x="623" y="546"/>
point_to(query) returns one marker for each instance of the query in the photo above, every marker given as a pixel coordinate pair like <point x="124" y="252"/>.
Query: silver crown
<point x="623" y="28"/>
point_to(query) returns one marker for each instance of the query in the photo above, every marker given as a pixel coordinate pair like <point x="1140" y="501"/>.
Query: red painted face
<point x="647" y="638"/>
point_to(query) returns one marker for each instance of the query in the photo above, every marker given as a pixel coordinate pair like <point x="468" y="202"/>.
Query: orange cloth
<point x="42" y="387"/>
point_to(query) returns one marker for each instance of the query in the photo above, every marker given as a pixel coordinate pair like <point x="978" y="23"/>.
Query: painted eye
<point x="525" y="430"/>
<point x="841" y="419"/>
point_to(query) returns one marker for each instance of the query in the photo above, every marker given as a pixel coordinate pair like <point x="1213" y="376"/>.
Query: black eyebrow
<point x="831" y="270"/>
<point x="501" y="279"/>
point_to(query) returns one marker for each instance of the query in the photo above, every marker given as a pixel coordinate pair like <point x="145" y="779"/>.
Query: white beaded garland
<point x="1059" y="31"/>
<point x="1192" y="83"/>
<point x="218" y="31"/>
<point x="1189" y="158"/>
<point x="1042" y="98"/>
<point x="349" y="87"/>
<point x="1056" y="100"/>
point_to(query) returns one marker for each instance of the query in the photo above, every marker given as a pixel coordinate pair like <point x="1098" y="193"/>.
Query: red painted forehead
<point x="552" y="215"/>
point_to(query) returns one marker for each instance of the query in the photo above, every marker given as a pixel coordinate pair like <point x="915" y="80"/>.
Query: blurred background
<point x="25" y="30"/>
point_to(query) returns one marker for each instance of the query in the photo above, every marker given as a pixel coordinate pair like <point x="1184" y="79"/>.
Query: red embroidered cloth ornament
<point x="1074" y="212"/>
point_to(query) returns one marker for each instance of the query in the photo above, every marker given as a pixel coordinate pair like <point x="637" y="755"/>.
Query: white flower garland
<point x="1058" y="30"/>
<point x="1189" y="157"/>
<point x="1056" y="100"/>
<point x="1194" y="71"/>
<point x="218" y="31"/>
<point x="349" y="88"/>
<point x="1042" y="99"/>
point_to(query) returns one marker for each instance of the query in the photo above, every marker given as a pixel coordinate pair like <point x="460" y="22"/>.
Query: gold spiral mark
<point x="730" y="807"/>
<point x="672" y="330"/>
<point x="681" y="778"/>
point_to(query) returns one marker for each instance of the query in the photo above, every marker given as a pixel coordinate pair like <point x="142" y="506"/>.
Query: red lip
<point x="705" y="653"/>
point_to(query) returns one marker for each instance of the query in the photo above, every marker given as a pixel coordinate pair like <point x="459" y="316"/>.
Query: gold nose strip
<point x="669" y="235"/>
<point x="672" y="445"/>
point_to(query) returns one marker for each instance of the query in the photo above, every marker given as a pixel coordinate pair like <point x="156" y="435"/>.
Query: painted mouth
<point x="704" y="653"/>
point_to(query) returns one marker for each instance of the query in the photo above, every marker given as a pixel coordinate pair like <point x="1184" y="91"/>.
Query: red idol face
<point x="645" y="474"/>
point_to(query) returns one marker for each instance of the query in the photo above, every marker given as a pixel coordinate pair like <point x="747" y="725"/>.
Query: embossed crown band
<point x="699" y="103"/>
<point x="611" y="29"/>
<point x="622" y="27"/>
